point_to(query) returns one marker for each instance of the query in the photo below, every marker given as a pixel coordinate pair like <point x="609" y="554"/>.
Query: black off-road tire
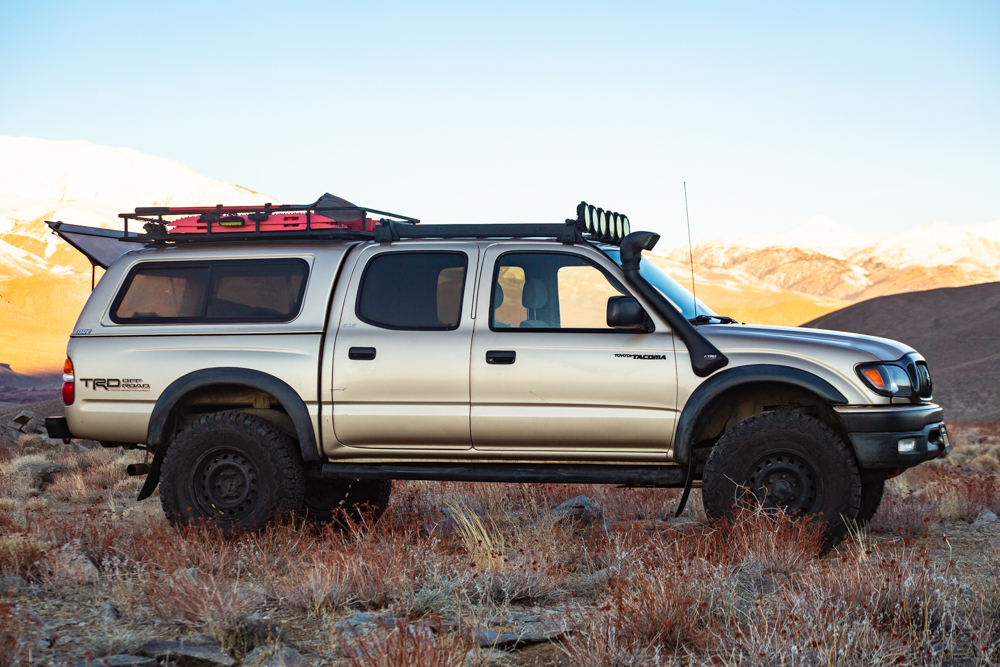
<point x="787" y="461"/>
<point x="871" y="498"/>
<point x="232" y="471"/>
<point x="329" y="500"/>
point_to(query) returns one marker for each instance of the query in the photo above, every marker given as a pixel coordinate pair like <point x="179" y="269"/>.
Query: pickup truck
<point x="294" y="359"/>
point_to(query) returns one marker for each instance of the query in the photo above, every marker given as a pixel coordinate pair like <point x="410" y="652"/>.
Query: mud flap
<point x="153" y="476"/>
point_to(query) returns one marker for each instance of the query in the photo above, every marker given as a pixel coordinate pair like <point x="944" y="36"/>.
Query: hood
<point x="748" y="337"/>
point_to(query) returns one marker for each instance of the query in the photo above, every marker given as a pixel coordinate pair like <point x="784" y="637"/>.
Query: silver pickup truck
<point x="274" y="367"/>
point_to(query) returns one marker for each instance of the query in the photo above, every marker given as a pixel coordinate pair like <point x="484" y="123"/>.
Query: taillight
<point x="69" y="383"/>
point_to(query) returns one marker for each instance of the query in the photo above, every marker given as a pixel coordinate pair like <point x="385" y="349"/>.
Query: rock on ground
<point x="271" y="657"/>
<point x="509" y="640"/>
<point x="41" y="475"/>
<point x="69" y="564"/>
<point x="187" y="652"/>
<point x="361" y="623"/>
<point x="579" y="510"/>
<point x="119" y="660"/>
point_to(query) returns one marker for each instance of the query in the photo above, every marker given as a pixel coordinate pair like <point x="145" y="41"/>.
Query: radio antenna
<point x="694" y="294"/>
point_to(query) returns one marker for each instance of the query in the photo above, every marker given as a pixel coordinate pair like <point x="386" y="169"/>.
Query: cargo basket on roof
<point x="328" y="217"/>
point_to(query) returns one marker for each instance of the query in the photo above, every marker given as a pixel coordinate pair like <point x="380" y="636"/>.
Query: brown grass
<point x="13" y="636"/>
<point x="407" y="646"/>
<point x="633" y="588"/>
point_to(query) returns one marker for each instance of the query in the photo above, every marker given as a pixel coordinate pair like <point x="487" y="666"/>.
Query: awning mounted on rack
<point x="100" y="246"/>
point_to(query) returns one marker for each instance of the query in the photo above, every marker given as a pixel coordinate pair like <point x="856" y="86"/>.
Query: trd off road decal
<point x="115" y="384"/>
<point x="640" y="356"/>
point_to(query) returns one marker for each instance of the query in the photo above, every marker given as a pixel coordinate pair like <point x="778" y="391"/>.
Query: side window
<point x="223" y="292"/>
<point x="413" y="290"/>
<point x="551" y="291"/>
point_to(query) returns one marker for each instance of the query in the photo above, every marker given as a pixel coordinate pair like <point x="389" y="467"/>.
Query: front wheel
<point x="233" y="471"/>
<point x="786" y="461"/>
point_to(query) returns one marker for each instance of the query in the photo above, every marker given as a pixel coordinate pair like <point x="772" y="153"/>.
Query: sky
<point x="882" y="116"/>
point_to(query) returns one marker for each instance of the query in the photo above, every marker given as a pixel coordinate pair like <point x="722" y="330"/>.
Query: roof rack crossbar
<point x="390" y="231"/>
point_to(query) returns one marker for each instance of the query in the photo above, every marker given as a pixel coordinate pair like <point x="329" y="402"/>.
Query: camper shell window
<point x="237" y="291"/>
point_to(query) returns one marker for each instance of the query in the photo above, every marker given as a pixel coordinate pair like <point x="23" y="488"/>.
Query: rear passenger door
<point x="401" y="357"/>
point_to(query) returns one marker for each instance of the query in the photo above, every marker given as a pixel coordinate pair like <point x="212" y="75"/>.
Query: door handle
<point x="361" y="353"/>
<point x="501" y="356"/>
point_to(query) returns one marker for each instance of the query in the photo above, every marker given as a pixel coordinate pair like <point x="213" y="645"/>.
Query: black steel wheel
<point x="233" y="471"/>
<point x="784" y="461"/>
<point x="224" y="483"/>
<point x="784" y="480"/>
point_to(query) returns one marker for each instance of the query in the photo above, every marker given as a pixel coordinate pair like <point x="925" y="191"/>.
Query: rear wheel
<point x="786" y="461"/>
<point x="334" y="499"/>
<point x="233" y="471"/>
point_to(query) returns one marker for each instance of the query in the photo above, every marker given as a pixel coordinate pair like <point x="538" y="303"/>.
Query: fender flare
<point x="701" y="399"/>
<point x="289" y="399"/>
<point x="160" y="417"/>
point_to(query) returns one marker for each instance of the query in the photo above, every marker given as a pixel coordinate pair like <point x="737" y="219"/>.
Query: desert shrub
<point x="215" y="604"/>
<point x="959" y="495"/>
<point x="19" y="554"/>
<point x="367" y="567"/>
<point x="650" y="614"/>
<point x="903" y="510"/>
<point x="764" y="540"/>
<point x="99" y="533"/>
<point x="407" y="645"/>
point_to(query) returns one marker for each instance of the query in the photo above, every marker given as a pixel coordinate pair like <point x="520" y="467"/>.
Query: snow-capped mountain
<point x="43" y="281"/>
<point x="88" y="182"/>
<point x="823" y="259"/>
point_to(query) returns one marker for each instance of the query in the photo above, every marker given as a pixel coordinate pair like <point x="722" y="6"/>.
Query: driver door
<point x="549" y="375"/>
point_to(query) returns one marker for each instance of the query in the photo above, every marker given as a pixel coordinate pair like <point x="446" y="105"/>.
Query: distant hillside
<point x="43" y="281"/>
<point x="957" y="329"/>
<point x="823" y="259"/>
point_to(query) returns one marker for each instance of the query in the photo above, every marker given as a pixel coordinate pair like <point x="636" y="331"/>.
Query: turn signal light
<point x="874" y="377"/>
<point x="69" y="383"/>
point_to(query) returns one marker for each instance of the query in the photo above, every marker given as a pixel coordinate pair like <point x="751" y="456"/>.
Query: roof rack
<point x="329" y="217"/>
<point x="332" y="218"/>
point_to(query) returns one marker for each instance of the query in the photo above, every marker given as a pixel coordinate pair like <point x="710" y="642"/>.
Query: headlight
<point x="886" y="379"/>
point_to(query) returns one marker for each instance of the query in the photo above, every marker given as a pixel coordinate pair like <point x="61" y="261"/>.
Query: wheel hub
<point x="785" y="481"/>
<point x="225" y="483"/>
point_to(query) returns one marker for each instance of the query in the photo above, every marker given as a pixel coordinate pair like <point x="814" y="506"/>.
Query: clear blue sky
<point x="882" y="116"/>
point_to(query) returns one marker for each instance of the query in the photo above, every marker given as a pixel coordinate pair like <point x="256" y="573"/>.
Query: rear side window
<point x="222" y="292"/>
<point x="413" y="290"/>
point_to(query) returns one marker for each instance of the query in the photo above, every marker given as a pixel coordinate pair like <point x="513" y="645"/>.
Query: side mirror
<point x="625" y="312"/>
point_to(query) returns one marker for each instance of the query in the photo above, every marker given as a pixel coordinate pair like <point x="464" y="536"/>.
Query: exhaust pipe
<point x="137" y="469"/>
<point x="705" y="357"/>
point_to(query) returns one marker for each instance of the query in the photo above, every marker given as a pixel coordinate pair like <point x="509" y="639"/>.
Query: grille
<point x="924" y="386"/>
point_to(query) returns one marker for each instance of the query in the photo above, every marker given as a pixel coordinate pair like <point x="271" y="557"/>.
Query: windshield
<point x="667" y="286"/>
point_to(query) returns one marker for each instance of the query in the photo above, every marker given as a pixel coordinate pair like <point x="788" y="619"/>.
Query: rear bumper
<point x="876" y="431"/>
<point x="58" y="428"/>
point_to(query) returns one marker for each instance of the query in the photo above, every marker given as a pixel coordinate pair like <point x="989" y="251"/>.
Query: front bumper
<point x="875" y="432"/>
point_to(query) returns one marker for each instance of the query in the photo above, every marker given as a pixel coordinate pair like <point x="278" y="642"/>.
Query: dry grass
<point x="633" y="588"/>
<point x="408" y="646"/>
<point x="13" y="633"/>
<point x="19" y="554"/>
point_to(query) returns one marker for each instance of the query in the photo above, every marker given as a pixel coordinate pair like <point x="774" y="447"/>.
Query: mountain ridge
<point x="839" y="263"/>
